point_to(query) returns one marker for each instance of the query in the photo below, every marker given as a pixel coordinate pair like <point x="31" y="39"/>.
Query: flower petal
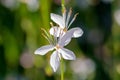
<point x="68" y="17"/>
<point x="44" y="49"/>
<point x="67" y="41"/>
<point x="57" y="19"/>
<point x="54" y="61"/>
<point x="67" y="54"/>
<point x="66" y="38"/>
<point x="55" y="31"/>
<point x="64" y="17"/>
<point x="78" y="32"/>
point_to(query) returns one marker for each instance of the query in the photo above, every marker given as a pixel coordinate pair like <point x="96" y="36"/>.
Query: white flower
<point x="64" y="23"/>
<point x="57" y="44"/>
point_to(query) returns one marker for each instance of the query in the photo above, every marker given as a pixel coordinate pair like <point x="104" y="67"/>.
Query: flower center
<point x="65" y="30"/>
<point x="57" y="47"/>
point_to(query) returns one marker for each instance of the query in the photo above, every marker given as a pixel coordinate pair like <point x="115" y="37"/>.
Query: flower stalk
<point x="62" y="69"/>
<point x="61" y="62"/>
<point x="63" y="5"/>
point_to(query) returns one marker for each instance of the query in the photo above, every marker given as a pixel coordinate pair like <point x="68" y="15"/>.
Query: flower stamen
<point x="47" y="36"/>
<point x="72" y="20"/>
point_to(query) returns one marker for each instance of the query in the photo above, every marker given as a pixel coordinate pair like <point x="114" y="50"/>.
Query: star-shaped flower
<point x="64" y="23"/>
<point x="57" y="44"/>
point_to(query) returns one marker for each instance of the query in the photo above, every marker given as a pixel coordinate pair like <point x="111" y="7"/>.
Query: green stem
<point x="63" y="4"/>
<point x="62" y="65"/>
<point x="62" y="69"/>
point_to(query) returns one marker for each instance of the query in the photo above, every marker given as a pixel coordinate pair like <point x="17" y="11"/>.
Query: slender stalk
<point x="62" y="65"/>
<point x="63" y="4"/>
<point x="62" y="69"/>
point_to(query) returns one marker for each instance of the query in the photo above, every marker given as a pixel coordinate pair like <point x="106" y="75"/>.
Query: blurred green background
<point x="97" y="51"/>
